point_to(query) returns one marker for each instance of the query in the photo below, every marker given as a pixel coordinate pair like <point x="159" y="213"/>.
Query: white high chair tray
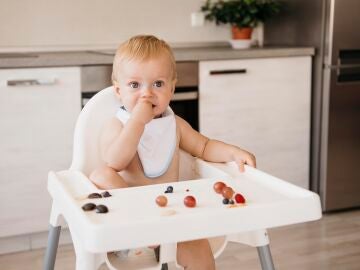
<point x="135" y="220"/>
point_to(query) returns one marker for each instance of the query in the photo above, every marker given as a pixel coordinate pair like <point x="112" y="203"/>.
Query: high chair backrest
<point x="97" y="111"/>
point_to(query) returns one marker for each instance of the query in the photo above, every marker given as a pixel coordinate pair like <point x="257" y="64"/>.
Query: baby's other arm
<point x="119" y="142"/>
<point x="212" y="150"/>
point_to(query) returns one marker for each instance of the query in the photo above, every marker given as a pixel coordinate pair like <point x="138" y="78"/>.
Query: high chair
<point x="134" y="220"/>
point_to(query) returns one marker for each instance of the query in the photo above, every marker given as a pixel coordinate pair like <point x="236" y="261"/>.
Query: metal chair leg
<point x="51" y="249"/>
<point x="164" y="266"/>
<point x="157" y="253"/>
<point x="265" y="258"/>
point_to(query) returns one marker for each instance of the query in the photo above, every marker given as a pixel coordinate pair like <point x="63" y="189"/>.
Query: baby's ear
<point x="174" y="85"/>
<point x="117" y="90"/>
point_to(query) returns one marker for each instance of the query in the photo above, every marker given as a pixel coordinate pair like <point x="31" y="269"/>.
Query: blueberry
<point x="106" y="194"/>
<point x="94" y="196"/>
<point x="231" y="201"/>
<point x="88" y="206"/>
<point x="225" y="201"/>
<point x="101" y="209"/>
<point x="170" y="189"/>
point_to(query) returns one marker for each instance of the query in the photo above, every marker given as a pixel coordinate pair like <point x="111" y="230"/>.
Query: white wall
<point x="46" y="23"/>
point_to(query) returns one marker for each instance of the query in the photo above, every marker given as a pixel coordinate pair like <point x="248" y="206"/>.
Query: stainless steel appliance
<point x="184" y="102"/>
<point x="332" y="26"/>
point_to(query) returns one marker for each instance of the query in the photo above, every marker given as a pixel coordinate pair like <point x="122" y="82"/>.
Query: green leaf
<point x="240" y="12"/>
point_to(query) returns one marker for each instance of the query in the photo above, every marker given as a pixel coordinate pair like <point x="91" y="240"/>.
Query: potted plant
<point x="242" y="15"/>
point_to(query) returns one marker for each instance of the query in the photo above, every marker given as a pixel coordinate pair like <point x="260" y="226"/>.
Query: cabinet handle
<point x="228" y="71"/>
<point x="30" y="82"/>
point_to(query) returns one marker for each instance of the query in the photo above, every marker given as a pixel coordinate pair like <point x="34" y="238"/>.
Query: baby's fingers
<point x="251" y="160"/>
<point x="241" y="164"/>
<point x="248" y="159"/>
<point x="145" y="100"/>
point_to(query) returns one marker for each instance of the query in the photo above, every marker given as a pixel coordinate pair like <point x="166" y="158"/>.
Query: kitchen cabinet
<point x="38" y="110"/>
<point x="263" y="106"/>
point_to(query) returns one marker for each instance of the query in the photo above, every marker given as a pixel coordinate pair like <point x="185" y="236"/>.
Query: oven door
<point x="185" y="104"/>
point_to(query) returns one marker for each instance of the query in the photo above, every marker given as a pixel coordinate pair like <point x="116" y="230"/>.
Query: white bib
<point x="157" y="144"/>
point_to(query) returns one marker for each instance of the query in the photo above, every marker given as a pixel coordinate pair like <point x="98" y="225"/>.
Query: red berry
<point x="190" y="201"/>
<point x="218" y="187"/>
<point x="161" y="200"/>
<point x="239" y="198"/>
<point x="227" y="192"/>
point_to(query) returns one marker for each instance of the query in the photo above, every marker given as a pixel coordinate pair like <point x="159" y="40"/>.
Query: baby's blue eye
<point x="158" y="83"/>
<point x="134" y="85"/>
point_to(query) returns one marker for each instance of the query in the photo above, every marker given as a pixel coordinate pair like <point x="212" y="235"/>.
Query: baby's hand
<point x="242" y="157"/>
<point x="143" y="111"/>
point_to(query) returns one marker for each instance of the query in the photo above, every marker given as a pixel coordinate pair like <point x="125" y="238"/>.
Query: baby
<point x="140" y="144"/>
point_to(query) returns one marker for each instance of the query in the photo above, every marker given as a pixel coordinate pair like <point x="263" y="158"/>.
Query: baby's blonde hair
<point x="142" y="47"/>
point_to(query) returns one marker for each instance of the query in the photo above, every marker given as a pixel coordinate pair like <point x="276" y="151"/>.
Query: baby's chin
<point x="158" y="114"/>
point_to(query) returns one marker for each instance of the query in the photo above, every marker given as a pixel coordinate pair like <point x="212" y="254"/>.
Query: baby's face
<point x="152" y="77"/>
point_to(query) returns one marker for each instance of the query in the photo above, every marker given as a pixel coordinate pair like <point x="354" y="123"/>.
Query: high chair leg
<point x="265" y="258"/>
<point x="53" y="238"/>
<point x="260" y="240"/>
<point x="85" y="260"/>
<point x="52" y="245"/>
<point x="164" y="266"/>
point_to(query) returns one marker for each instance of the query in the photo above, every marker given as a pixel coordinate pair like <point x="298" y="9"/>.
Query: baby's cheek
<point x="129" y="103"/>
<point x="134" y="99"/>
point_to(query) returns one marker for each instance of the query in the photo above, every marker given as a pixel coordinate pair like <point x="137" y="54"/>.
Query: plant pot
<point x="241" y="33"/>
<point x="241" y="37"/>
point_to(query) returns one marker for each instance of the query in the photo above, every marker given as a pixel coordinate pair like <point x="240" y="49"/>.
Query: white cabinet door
<point x="263" y="106"/>
<point x="38" y="110"/>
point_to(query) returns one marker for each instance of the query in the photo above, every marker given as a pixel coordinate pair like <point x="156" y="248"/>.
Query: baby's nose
<point x="147" y="92"/>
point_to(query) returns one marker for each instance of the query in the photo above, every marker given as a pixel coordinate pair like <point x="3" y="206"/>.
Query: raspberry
<point x="239" y="198"/>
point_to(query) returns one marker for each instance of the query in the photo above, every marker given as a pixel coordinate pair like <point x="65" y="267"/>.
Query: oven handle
<point x="183" y="96"/>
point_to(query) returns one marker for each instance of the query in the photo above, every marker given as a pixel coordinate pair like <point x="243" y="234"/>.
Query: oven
<point x="185" y="102"/>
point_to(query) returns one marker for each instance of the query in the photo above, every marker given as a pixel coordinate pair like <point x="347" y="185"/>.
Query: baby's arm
<point x="212" y="150"/>
<point x="119" y="143"/>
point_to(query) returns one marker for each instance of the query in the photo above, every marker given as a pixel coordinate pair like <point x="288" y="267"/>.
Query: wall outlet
<point x="197" y="19"/>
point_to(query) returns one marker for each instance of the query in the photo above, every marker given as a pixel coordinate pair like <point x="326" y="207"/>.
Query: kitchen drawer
<point x="38" y="110"/>
<point x="263" y="106"/>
